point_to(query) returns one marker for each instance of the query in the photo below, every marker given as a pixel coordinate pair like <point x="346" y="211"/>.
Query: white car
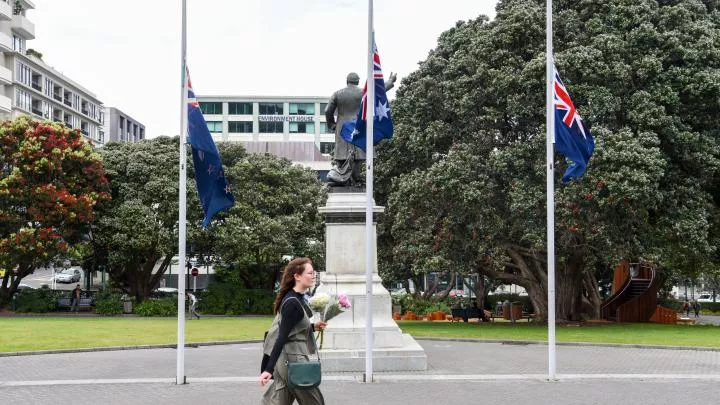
<point x="68" y="276"/>
<point x="706" y="298"/>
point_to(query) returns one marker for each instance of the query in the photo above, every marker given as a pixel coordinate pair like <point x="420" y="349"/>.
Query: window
<point x="211" y="108"/>
<point x="324" y="128"/>
<point x="271" y="127"/>
<point x="240" y="108"/>
<point x="271" y="109"/>
<point x="22" y="100"/>
<point x="326" y="148"/>
<point x="122" y="124"/>
<point x="19" y="44"/>
<point x="242" y="127"/>
<point x="302" y="127"/>
<point x="302" y="109"/>
<point x="323" y="107"/>
<point x="214" y="126"/>
<point x="49" y="85"/>
<point x="142" y="133"/>
<point x="24" y="74"/>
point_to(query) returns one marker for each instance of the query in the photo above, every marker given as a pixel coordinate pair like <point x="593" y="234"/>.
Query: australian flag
<point x="355" y="132"/>
<point x="572" y="136"/>
<point x="213" y="188"/>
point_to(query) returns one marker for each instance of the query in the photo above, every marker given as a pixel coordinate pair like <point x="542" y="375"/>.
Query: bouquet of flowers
<point x="328" y="307"/>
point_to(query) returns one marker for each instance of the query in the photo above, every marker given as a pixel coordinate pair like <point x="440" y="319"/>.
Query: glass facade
<point x="326" y="148"/>
<point x="324" y="128"/>
<point x="240" y="108"/>
<point x="302" y="127"/>
<point x="271" y="127"/>
<point x="240" y="127"/>
<point x="302" y="108"/>
<point x="211" y="107"/>
<point x="323" y="107"/>
<point x="214" y="126"/>
<point x="271" y="109"/>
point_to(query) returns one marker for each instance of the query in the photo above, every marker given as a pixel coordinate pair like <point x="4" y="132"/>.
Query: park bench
<point x="85" y="303"/>
<point x="686" y="321"/>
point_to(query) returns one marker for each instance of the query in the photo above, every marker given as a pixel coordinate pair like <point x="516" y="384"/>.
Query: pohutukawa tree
<point x="464" y="177"/>
<point x="51" y="182"/>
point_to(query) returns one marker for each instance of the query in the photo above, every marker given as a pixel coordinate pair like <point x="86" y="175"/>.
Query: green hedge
<point x="229" y="299"/>
<point x="108" y="302"/>
<point x="157" y="307"/>
<point x="38" y="301"/>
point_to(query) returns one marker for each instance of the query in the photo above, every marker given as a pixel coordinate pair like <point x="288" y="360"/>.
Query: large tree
<point x="137" y="231"/>
<point x="464" y="177"/>
<point x="51" y="182"/>
<point x="275" y="215"/>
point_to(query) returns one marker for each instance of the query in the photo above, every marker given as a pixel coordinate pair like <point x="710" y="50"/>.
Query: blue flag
<point x="572" y="136"/>
<point x="213" y="188"/>
<point x="355" y="132"/>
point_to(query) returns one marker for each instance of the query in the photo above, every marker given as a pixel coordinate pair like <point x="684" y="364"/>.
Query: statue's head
<point x="353" y="78"/>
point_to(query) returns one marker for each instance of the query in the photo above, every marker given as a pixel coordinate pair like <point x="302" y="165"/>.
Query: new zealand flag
<point x="213" y="188"/>
<point x="572" y="136"/>
<point x="355" y="132"/>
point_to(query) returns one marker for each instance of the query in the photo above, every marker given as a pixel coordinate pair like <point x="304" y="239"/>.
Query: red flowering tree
<point x="51" y="181"/>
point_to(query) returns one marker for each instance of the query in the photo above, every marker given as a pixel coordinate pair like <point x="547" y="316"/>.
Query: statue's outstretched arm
<point x="390" y="82"/>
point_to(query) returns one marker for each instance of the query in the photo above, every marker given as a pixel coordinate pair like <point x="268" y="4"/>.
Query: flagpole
<point x="369" y="240"/>
<point x="180" y="372"/>
<point x="550" y="141"/>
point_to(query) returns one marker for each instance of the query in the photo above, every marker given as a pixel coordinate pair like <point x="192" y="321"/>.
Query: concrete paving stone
<point x="351" y="393"/>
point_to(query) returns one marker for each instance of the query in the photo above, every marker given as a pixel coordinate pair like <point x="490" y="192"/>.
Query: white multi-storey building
<point x="120" y="127"/>
<point x="28" y="86"/>
<point x="290" y="127"/>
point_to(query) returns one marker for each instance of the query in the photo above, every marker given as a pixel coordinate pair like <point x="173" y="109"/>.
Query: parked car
<point x="706" y="298"/>
<point x="68" y="276"/>
<point x="22" y="286"/>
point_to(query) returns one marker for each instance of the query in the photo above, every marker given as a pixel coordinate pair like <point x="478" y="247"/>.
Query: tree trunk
<point x="443" y="294"/>
<point x="479" y="290"/>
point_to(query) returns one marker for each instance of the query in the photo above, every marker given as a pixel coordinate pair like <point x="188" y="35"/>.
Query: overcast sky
<point x="128" y="52"/>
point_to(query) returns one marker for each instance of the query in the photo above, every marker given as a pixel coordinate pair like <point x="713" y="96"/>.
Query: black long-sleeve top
<point x="291" y="313"/>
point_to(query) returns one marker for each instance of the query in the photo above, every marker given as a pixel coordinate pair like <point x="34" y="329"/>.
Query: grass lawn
<point x="636" y="333"/>
<point x="42" y="333"/>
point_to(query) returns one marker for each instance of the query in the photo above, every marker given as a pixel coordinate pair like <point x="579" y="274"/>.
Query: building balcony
<point x="37" y="112"/>
<point x="23" y="26"/>
<point x="67" y="102"/>
<point x="6" y="11"/>
<point x="5" y="104"/>
<point x="58" y="97"/>
<point x="5" y="75"/>
<point x="36" y="86"/>
<point x="6" y="43"/>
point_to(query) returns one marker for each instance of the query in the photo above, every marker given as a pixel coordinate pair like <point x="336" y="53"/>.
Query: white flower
<point x="319" y="301"/>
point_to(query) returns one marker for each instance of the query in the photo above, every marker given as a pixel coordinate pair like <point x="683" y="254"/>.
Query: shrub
<point x="230" y="299"/>
<point x="108" y="302"/>
<point x="157" y="307"/>
<point x="38" y="301"/>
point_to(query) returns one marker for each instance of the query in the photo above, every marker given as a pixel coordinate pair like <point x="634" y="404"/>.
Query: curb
<point x="429" y="339"/>
<point x="119" y="348"/>
<point x="575" y="344"/>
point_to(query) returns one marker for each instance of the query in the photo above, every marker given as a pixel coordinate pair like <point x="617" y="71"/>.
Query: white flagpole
<point x="550" y="141"/>
<point x="180" y="372"/>
<point x="369" y="240"/>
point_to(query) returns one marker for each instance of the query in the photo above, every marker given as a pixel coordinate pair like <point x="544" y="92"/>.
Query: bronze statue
<point x="346" y="156"/>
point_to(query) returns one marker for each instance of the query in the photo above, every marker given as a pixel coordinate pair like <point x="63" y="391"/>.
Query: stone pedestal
<point x="344" y="338"/>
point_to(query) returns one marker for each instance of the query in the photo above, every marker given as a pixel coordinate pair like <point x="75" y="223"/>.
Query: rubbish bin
<point x="127" y="307"/>
<point x="512" y="311"/>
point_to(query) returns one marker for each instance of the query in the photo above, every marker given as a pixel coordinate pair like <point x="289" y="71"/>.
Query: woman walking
<point x="290" y="338"/>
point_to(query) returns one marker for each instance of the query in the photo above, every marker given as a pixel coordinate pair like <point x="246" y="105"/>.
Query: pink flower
<point x="343" y="301"/>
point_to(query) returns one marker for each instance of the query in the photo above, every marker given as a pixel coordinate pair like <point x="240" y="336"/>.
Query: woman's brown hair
<point x="296" y="266"/>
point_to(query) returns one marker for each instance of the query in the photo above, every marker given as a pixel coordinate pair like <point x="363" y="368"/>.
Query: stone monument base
<point x="344" y="338"/>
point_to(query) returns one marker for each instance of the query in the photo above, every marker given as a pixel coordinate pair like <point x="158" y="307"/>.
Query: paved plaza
<point x="458" y="372"/>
